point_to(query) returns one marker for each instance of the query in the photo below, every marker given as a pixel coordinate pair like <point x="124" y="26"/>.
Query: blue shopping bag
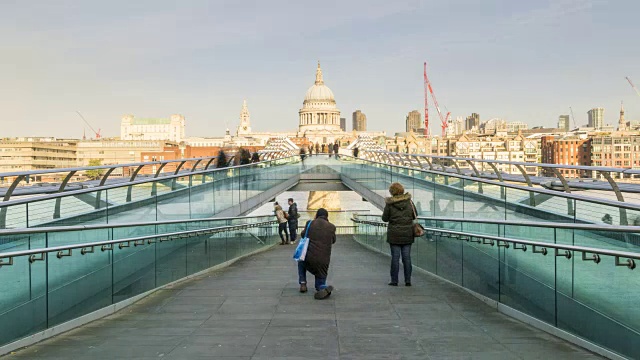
<point x="301" y="250"/>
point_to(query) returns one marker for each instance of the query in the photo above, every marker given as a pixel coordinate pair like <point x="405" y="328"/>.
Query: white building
<point x="171" y="129"/>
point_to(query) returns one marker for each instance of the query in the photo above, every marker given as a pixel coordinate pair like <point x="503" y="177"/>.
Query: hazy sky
<point x="518" y="60"/>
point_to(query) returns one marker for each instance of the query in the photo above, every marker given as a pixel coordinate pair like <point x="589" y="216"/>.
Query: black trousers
<point x="282" y="227"/>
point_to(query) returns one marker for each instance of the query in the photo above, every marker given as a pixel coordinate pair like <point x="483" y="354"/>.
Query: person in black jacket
<point x="293" y="220"/>
<point x="399" y="211"/>
<point x="322" y="236"/>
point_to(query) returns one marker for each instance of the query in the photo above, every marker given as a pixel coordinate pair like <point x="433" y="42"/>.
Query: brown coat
<point x="322" y="235"/>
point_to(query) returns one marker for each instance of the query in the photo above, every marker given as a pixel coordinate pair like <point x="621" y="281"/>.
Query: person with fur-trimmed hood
<point x="400" y="212"/>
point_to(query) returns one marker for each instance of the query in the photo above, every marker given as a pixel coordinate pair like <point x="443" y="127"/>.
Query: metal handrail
<point x="573" y="196"/>
<point x="128" y="183"/>
<point x="542" y="165"/>
<point x="545" y="224"/>
<point x="105" y="167"/>
<point x="588" y="253"/>
<point x="104" y="245"/>
<point x="52" y="229"/>
<point x="25" y="175"/>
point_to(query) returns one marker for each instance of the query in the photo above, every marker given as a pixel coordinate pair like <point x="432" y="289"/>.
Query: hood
<point x="398" y="198"/>
<point x="277" y="207"/>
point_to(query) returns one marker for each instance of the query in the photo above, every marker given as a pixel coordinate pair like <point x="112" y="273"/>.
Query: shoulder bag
<point x="418" y="230"/>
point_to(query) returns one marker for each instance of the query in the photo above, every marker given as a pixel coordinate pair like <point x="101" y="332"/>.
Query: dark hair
<point x="290" y="199"/>
<point x="396" y="189"/>
<point x="322" y="212"/>
<point x="275" y="203"/>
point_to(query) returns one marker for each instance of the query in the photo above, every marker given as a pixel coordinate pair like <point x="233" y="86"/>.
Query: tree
<point x="245" y="156"/>
<point x="221" y="160"/>
<point x="94" y="174"/>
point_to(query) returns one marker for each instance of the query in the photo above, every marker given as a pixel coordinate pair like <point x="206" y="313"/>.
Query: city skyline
<point x="201" y="61"/>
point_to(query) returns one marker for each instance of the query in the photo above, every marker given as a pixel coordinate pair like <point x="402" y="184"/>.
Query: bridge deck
<point x="253" y="310"/>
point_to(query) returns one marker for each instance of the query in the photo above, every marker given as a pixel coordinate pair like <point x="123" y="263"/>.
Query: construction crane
<point x="573" y="118"/>
<point x="633" y="86"/>
<point x="443" y="120"/>
<point x="98" y="136"/>
<point x="426" y="102"/>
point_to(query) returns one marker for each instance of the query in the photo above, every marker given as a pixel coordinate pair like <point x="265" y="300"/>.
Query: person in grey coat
<point x="400" y="212"/>
<point x="322" y="236"/>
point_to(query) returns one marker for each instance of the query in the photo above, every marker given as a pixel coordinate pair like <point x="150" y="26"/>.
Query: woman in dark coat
<point x="322" y="235"/>
<point x="399" y="211"/>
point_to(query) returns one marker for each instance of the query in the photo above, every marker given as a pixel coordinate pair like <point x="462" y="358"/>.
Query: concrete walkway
<point x="253" y="310"/>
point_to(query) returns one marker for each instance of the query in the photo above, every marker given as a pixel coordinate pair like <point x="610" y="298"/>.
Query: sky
<point x="516" y="60"/>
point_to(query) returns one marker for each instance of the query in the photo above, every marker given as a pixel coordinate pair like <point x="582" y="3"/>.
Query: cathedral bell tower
<point x="622" y="124"/>
<point x="245" y="121"/>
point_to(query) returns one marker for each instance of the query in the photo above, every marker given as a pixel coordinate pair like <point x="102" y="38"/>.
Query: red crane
<point x="633" y="86"/>
<point x="426" y="102"/>
<point x="443" y="120"/>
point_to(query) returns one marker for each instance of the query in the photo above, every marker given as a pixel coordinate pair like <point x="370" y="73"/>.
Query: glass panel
<point x="602" y="303"/>
<point x="78" y="284"/>
<point x="133" y="269"/>
<point x="527" y="282"/>
<point x="23" y="307"/>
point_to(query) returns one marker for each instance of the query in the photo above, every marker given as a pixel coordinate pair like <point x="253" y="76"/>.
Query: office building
<point x="414" y="121"/>
<point x="596" y="118"/>
<point x="343" y="124"/>
<point x="472" y="122"/>
<point x="563" y="123"/>
<point x="359" y="121"/>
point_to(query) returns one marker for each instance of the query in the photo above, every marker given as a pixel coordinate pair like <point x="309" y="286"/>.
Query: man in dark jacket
<point x="336" y="147"/>
<point x="399" y="211"/>
<point x="293" y="220"/>
<point x="322" y="235"/>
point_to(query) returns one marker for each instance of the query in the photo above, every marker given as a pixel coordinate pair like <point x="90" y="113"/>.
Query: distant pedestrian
<point x="255" y="157"/>
<point x="281" y="216"/>
<point x="323" y="148"/>
<point x="293" y="220"/>
<point x="317" y="148"/>
<point x="303" y="155"/>
<point x="399" y="211"/>
<point x="330" y="150"/>
<point x="355" y="152"/>
<point x="322" y="236"/>
<point x="336" y="147"/>
<point x="311" y="150"/>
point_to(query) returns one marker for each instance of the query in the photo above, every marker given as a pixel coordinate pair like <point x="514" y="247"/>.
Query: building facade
<point x="32" y="153"/>
<point x="568" y="150"/>
<point x="343" y="124"/>
<point x="413" y="121"/>
<point x="563" y="123"/>
<point x="617" y="150"/>
<point x="171" y="129"/>
<point x="359" y="120"/>
<point x="472" y="122"/>
<point x="596" y="118"/>
<point x="515" y="126"/>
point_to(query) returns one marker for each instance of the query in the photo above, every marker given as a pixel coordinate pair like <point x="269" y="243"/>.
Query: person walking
<point x="322" y="236"/>
<point x="311" y="150"/>
<point x="303" y="155"/>
<point x="293" y="220"/>
<point x="399" y="212"/>
<point x="330" y="150"/>
<point x="336" y="147"/>
<point x="282" y="223"/>
<point x="317" y="148"/>
<point x="355" y="152"/>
